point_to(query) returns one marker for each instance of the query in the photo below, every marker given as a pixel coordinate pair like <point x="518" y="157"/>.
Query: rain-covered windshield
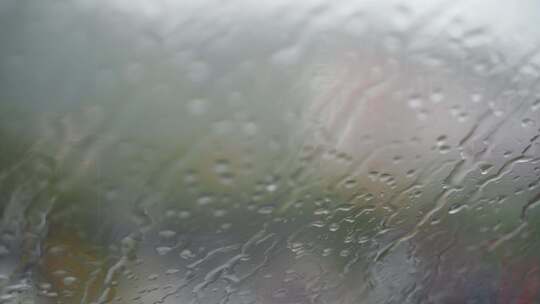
<point x="261" y="152"/>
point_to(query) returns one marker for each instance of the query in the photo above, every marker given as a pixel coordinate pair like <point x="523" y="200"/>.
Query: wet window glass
<point x="258" y="152"/>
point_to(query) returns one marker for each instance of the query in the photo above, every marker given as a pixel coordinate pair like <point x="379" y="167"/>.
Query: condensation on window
<point x="257" y="152"/>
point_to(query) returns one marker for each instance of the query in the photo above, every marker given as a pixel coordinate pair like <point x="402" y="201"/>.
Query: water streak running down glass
<point x="269" y="152"/>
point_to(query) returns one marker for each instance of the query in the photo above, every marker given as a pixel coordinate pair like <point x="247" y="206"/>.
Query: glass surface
<point x="257" y="152"/>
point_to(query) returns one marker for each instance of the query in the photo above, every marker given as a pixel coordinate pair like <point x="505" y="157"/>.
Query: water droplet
<point x="220" y="213"/>
<point x="536" y="105"/>
<point x="373" y="175"/>
<point x="45" y="286"/>
<point x="456" y="208"/>
<point x="184" y="214"/>
<point x="221" y="166"/>
<point x="204" y="200"/>
<point x="318" y="224"/>
<point x="462" y="116"/>
<point x="527" y="123"/>
<point x="415" y="102"/>
<point x="57" y="250"/>
<point x="321" y="211"/>
<point x="266" y="209"/>
<point x="163" y="250"/>
<point x="280" y="293"/>
<point x="271" y="187"/>
<point x="186" y="254"/>
<point x="350" y="183"/>
<point x="170" y="213"/>
<point x="476" y="97"/>
<point x="345" y="253"/>
<point x="436" y="97"/>
<point x="172" y="271"/>
<point x="484" y="168"/>
<point x="333" y="227"/>
<point x="441" y="140"/>
<point x="68" y="281"/>
<point x="443" y="149"/>
<point x="327" y="252"/>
